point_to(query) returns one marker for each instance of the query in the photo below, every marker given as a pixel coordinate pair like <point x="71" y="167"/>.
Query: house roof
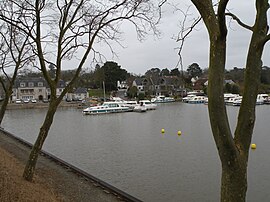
<point x="198" y="85"/>
<point x="138" y="81"/>
<point x="165" y="80"/>
<point x="154" y="80"/>
<point x="169" y="80"/>
<point x="35" y="81"/>
<point x="27" y="81"/>
<point x="61" y="84"/>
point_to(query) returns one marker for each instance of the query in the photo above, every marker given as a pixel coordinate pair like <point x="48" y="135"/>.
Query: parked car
<point x="26" y="101"/>
<point x="33" y="101"/>
<point x="45" y="100"/>
<point x="18" y="101"/>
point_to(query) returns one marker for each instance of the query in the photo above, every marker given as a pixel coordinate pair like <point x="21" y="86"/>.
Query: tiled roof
<point x="33" y="81"/>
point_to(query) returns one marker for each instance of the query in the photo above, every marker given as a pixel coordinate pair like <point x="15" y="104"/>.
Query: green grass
<point x="96" y="93"/>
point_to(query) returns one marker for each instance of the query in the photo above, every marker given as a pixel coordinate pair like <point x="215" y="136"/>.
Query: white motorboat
<point x="197" y="100"/>
<point x="149" y="105"/>
<point x="105" y="108"/>
<point x="187" y="98"/>
<point x="139" y="108"/>
<point x="227" y="96"/>
<point x="130" y="103"/>
<point x="259" y="101"/>
<point x="162" y="99"/>
<point x="206" y="101"/>
<point x="127" y="103"/>
<point x="236" y="100"/>
<point x="262" y="99"/>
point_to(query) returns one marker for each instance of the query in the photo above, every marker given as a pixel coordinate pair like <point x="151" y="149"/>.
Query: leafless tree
<point x="183" y="34"/>
<point x="234" y="148"/>
<point x="15" y="53"/>
<point x="64" y="30"/>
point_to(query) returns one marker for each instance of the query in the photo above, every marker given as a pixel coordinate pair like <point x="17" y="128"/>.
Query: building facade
<point x="30" y="88"/>
<point x="34" y="88"/>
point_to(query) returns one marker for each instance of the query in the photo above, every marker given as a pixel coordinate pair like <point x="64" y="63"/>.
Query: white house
<point x="34" y="88"/>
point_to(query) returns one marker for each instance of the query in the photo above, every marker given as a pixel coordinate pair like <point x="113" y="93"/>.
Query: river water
<point x="128" y="150"/>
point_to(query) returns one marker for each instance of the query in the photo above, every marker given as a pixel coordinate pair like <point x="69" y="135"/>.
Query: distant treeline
<point x="111" y="72"/>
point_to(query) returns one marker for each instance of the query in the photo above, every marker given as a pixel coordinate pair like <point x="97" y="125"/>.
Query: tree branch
<point x="234" y="17"/>
<point x="221" y="17"/>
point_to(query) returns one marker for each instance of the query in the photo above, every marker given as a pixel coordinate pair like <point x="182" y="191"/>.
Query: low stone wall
<point x="40" y="105"/>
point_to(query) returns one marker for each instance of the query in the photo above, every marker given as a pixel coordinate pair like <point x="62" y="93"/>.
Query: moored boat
<point x="227" y="96"/>
<point x="267" y="101"/>
<point x="236" y="100"/>
<point x="105" y="108"/>
<point x="139" y="108"/>
<point x="149" y="105"/>
<point x="162" y="99"/>
<point x="197" y="100"/>
<point x="130" y="103"/>
<point x="262" y="99"/>
<point x="187" y="98"/>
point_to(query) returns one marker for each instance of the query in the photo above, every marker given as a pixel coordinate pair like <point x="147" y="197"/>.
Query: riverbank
<point x="14" y="188"/>
<point x="40" y="105"/>
<point x="52" y="181"/>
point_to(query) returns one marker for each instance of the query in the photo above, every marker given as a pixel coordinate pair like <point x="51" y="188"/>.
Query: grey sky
<point x="138" y="57"/>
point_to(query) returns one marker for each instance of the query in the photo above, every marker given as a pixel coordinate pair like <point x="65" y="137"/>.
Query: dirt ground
<point x="14" y="188"/>
<point x="52" y="182"/>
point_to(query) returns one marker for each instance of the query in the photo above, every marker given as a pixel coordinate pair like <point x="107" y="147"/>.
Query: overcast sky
<point x="138" y="57"/>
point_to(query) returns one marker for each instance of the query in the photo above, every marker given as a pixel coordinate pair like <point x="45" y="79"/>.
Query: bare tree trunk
<point x="3" y="108"/>
<point x="32" y="160"/>
<point x="234" y="167"/>
<point x="234" y="183"/>
<point x="233" y="151"/>
<point x="8" y="93"/>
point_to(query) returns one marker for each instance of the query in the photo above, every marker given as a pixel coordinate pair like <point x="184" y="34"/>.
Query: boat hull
<point x="106" y="108"/>
<point x="140" y="108"/>
<point x="105" y="111"/>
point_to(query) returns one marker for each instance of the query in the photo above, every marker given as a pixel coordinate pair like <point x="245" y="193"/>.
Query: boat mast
<point x="104" y="91"/>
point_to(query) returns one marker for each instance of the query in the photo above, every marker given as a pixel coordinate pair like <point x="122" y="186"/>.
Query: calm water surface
<point x="128" y="150"/>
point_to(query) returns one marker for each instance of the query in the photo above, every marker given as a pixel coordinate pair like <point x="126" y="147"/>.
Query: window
<point x="145" y="82"/>
<point x="40" y="90"/>
<point x="40" y="84"/>
<point x="162" y="81"/>
<point x="31" y="84"/>
<point x="22" y="84"/>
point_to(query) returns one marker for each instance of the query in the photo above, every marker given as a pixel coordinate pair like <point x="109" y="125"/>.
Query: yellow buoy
<point x="253" y="146"/>
<point x="162" y="130"/>
<point x="179" y="133"/>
